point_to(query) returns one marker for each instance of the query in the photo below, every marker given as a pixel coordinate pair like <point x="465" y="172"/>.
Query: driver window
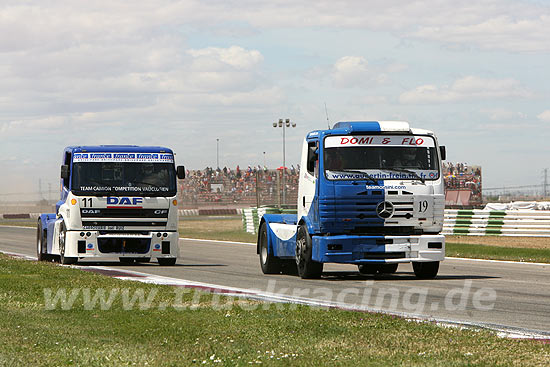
<point x="312" y="159"/>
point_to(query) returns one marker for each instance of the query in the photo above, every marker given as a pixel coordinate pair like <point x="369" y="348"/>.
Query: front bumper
<point x="92" y="244"/>
<point x="378" y="249"/>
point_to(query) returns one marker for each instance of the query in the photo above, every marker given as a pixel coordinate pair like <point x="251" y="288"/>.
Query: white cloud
<point x="502" y="114"/>
<point x="215" y="58"/>
<point x="350" y="71"/>
<point x="544" y="116"/>
<point x="467" y="88"/>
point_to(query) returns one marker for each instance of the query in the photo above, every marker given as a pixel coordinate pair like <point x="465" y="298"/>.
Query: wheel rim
<point x="264" y="249"/>
<point x="300" y="251"/>
<point x="62" y="243"/>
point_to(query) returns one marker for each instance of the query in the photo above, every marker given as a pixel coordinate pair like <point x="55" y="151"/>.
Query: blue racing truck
<point x="370" y="193"/>
<point x="116" y="200"/>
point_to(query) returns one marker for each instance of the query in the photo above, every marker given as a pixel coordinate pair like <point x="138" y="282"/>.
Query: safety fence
<point x="518" y="223"/>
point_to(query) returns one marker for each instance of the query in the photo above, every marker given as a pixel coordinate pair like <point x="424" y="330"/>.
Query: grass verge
<point x="477" y="251"/>
<point x="215" y="228"/>
<point x="239" y="334"/>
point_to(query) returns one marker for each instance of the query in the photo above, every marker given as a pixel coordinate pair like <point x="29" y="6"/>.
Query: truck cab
<point x="371" y="194"/>
<point x="115" y="200"/>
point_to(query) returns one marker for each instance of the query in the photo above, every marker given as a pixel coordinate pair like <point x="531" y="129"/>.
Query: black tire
<point x="40" y="255"/>
<point x="369" y="269"/>
<point x="167" y="261"/>
<point x="62" y="237"/>
<point x="389" y="268"/>
<point x="426" y="270"/>
<point x="307" y="268"/>
<point x="289" y="267"/>
<point x="126" y="260"/>
<point x="269" y="263"/>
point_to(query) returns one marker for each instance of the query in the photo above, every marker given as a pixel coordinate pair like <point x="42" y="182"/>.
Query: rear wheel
<point x="40" y="243"/>
<point x="389" y="268"/>
<point x="307" y="268"/>
<point x="426" y="270"/>
<point x="62" y="242"/>
<point x="167" y="261"/>
<point x="269" y="263"/>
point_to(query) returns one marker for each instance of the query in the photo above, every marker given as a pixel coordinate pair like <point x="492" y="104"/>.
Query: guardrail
<point x="518" y="223"/>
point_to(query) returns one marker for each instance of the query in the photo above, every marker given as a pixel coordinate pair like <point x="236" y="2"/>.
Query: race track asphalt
<point x="493" y="294"/>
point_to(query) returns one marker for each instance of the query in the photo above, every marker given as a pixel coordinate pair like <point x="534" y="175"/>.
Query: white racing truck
<point x="116" y="200"/>
<point x="370" y="193"/>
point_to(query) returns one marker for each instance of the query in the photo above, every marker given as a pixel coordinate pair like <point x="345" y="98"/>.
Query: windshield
<point x="381" y="158"/>
<point x="148" y="177"/>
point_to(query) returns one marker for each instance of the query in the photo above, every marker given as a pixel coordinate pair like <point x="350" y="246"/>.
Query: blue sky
<point x="184" y="73"/>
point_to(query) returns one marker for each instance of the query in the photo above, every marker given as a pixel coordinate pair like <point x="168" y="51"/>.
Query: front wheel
<point x="40" y="242"/>
<point x="62" y="242"/>
<point x="426" y="270"/>
<point x="269" y="263"/>
<point x="307" y="268"/>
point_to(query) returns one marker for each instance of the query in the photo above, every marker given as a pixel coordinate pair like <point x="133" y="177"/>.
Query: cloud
<point x="501" y="114"/>
<point x="350" y="71"/>
<point x="544" y="116"/>
<point x="464" y="89"/>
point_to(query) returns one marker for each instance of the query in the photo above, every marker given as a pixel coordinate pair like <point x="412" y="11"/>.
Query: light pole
<point x="264" y="162"/>
<point x="284" y="125"/>
<point x="218" y="153"/>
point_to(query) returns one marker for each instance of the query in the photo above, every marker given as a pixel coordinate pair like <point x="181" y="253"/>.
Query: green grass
<point x="497" y="253"/>
<point x="228" y="228"/>
<point x="274" y="335"/>
<point x="18" y="222"/>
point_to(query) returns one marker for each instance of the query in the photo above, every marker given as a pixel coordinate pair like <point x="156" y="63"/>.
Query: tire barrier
<point x="519" y="223"/>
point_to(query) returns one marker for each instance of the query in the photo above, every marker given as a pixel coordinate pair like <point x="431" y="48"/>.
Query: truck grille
<point x="357" y="214"/>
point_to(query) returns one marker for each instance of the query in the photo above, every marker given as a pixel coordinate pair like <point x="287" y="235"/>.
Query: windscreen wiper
<point x="374" y="180"/>
<point x="404" y="170"/>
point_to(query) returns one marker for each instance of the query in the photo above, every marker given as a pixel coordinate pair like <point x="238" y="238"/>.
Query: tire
<point x="40" y="255"/>
<point x="307" y="268"/>
<point x="288" y="267"/>
<point x="167" y="261"/>
<point x="389" y="268"/>
<point x="62" y="237"/>
<point x="369" y="269"/>
<point x="426" y="270"/>
<point x="126" y="260"/>
<point x="269" y="263"/>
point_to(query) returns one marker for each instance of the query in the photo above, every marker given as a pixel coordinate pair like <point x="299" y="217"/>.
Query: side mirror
<point x="65" y="172"/>
<point x="443" y="152"/>
<point x="180" y="172"/>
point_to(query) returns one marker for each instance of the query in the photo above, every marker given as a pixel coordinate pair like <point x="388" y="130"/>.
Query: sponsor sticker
<point x="124" y="157"/>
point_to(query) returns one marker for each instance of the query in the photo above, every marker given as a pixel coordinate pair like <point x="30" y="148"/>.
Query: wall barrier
<point x="518" y="223"/>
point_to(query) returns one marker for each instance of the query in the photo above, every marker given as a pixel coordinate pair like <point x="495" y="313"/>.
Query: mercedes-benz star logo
<point x="385" y="210"/>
